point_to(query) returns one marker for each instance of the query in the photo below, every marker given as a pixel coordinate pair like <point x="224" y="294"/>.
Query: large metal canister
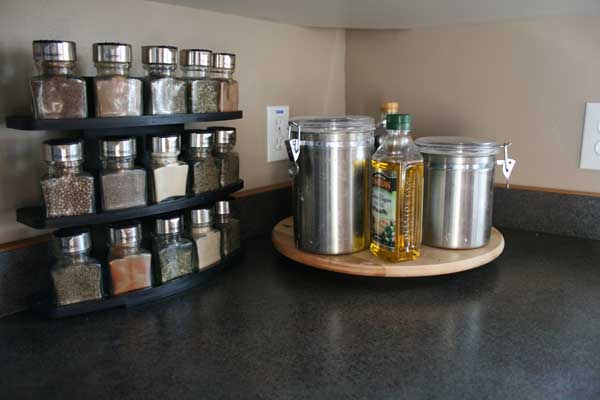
<point x="329" y="164"/>
<point x="459" y="190"/>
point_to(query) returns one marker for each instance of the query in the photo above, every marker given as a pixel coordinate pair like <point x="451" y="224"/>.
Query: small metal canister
<point x="329" y="163"/>
<point x="459" y="189"/>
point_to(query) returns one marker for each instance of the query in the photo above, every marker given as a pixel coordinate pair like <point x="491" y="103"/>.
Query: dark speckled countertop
<point x="526" y="326"/>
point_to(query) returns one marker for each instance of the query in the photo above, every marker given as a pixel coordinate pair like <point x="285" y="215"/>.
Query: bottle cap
<point x="118" y="147"/>
<point x="223" y="134"/>
<point x="196" y="58"/>
<point x="63" y="150"/>
<point x="224" y="61"/>
<point x="125" y="234"/>
<point x="54" y="50"/>
<point x="398" y="122"/>
<point x="168" y="225"/>
<point x="73" y="241"/>
<point x="222" y="208"/>
<point x="390" y="107"/>
<point x="201" y="138"/>
<point x="166" y="144"/>
<point x="159" y="55"/>
<point x="202" y="216"/>
<point x="112" y="52"/>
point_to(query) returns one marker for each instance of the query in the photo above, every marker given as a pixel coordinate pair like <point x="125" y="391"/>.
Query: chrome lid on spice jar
<point x="118" y="147"/>
<point x="54" y="50"/>
<point x="224" y="61"/>
<point x="74" y="241"/>
<point x="222" y="208"/>
<point x="457" y="146"/>
<point x="201" y="139"/>
<point x="196" y="58"/>
<point x="112" y="52"/>
<point x="202" y="216"/>
<point x="167" y="145"/>
<point x="125" y="234"/>
<point x="63" y="150"/>
<point x="159" y="55"/>
<point x="169" y="225"/>
<point x="223" y="134"/>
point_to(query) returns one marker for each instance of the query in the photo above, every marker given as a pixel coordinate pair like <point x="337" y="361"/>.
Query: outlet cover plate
<point x="590" y="143"/>
<point x="277" y="132"/>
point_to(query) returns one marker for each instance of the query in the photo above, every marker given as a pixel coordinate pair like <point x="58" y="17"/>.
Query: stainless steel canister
<point x="329" y="163"/>
<point x="459" y="190"/>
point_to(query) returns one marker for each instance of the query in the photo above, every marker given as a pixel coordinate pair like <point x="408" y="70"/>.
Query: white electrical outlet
<point x="590" y="144"/>
<point x="277" y="132"/>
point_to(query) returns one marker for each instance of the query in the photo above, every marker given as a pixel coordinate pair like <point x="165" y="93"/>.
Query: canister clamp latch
<point x="292" y="146"/>
<point x="507" y="164"/>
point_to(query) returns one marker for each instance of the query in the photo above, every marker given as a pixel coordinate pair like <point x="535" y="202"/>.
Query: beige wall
<point x="526" y="82"/>
<point x="277" y="64"/>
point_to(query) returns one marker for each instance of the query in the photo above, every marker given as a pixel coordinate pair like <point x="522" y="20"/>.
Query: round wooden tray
<point x="433" y="261"/>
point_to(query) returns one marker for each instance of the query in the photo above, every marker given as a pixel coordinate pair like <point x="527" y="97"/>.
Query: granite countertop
<point x="524" y="326"/>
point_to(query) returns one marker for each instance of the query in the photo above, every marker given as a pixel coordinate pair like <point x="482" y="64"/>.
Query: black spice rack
<point x="92" y="130"/>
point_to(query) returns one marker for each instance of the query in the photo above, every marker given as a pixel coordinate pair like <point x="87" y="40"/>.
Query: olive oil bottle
<point x="397" y="193"/>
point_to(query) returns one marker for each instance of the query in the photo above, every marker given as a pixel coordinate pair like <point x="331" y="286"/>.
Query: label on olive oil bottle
<point x="383" y="204"/>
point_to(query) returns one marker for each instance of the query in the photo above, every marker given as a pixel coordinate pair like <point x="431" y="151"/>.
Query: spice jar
<point x="122" y="184"/>
<point x="164" y="92"/>
<point x="67" y="189"/>
<point x="202" y="90"/>
<point x="116" y="94"/>
<point x="224" y="67"/>
<point x="76" y="276"/>
<point x="56" y="92"/>
<point x="204" y="171"/>
<point x="174" y="254"/>
<point x="129" y="264"/>
<point x="168" y="174"/>
<point x="206" y="238"/>
<point x="228" y="160"/>
<point x="229" y="227"/>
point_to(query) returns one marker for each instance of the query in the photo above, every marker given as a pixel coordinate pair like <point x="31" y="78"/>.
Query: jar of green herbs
<point x="204" y="170"/>
<point x="229" y="227"/>
<point x="173" y="254"/>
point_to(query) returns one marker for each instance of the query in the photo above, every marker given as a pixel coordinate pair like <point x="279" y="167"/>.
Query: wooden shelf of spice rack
<point x="25" y="123"/>
<point x="139" y="297"/>
<point x="35" y="217"/>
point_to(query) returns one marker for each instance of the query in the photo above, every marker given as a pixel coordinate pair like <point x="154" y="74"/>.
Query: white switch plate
<point x="277" y="132"/>
<point x="590" y="144"/>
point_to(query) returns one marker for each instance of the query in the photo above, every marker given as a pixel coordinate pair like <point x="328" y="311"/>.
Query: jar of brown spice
<point x="129" y="264"/>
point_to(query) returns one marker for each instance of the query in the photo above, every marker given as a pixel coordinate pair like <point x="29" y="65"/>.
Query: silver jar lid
<point x="129" y="234"/>
<point x="333" y="124"/>
<point x="201" y="139"/>
<point x="202" y="216"/>
<point x="112" y="52"/>
<point x="159" y="55"/>
<point x="75" y="242"/>
<point x="63" y="150"/>
<point x="169" y="225"/>
<point x="166" y="144"/>
<point x="54" y="50"/>
<point x="196" y="58"/>
<point x="222" y="208"/>
<point x="224" y="61"/>
<point x="457" y="146"/>
<point x="118" y="147"/>
<point x="223" y="134"/>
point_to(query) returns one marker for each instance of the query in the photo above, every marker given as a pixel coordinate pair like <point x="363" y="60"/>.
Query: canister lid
<point x="73" y="241"/>
<point x="168" y="225"/>
<point x="224" y="61"/>
<point x="166" y="144"/>
<point x="112" y="52"/>
<point x="333" y="124"/>
<point x="63" y="150"/>
<point x="201" y="138"/>
<point x="202" y="216"/>
<point x="54" y="50"/>
<point x="125" y="234"/>
<point x="196" y="58"/>
<point x="222" y="208"/>
<point x="223" y="134"/>
<point x="159" y="55"/>
<point x="457" y="145"/>
<point x="118" y="147"/>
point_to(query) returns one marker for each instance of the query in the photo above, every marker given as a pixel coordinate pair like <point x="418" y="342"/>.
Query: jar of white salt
<point x="168" y="175"/>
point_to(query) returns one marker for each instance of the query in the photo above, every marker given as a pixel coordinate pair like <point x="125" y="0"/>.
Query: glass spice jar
<point x="174" y="254"/>
<point x="202" y="90"/>
<point x="168" y="174"/>
<point x="164" y="92"/>
<point x="76" y="276"/>
<point x="122" y="184"/>
<point x="129" y="265"/>
<point x="206" y="238"/>
<point x="224" y="67"/>
<point x="56" y="92"/>
<point x="227" y="159"/>
<point x="204" y="171"/>
<point x="116" y="93"/>
<point x="67" y="189"/>
<point x="229" y="227"/>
